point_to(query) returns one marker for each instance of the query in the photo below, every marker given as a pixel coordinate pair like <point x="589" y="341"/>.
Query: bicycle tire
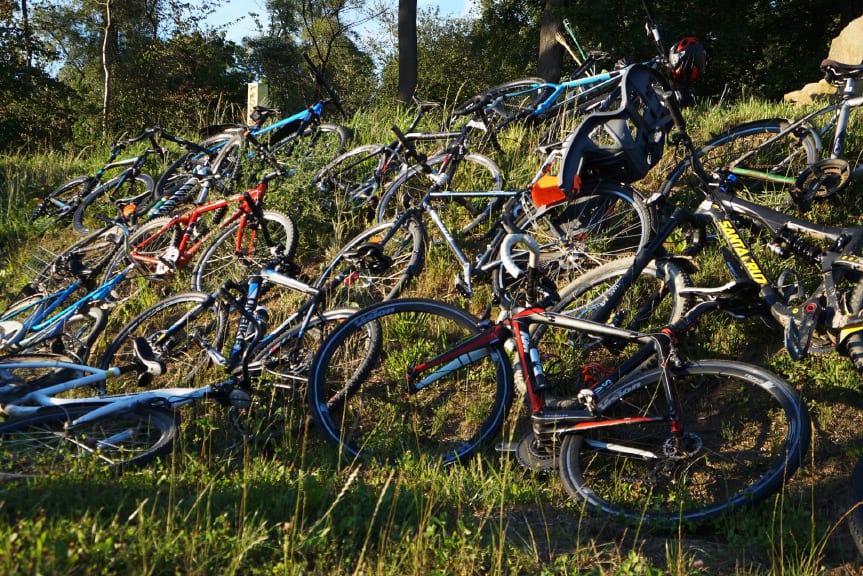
<point x="63" y="200"/>
<point x="518" y="97"/>
<point x="745" y="417"/>
<point x="379" y="273"/>
<point x="852" y="346"/>
<point x="355" y="178"/>
<point x="44" y="444"/>
<point x="15" y="383"/>
<point x="100" y="204"/>
<point x="283" y="363"/>
<point x="93" y="252"/>
<point x="378" y="418"/>
<point x="788" y="157"/>
<point x="221" y="261"/>
<point x="603" y="224"/>
<point x="855" y="515"/>
<point x="462" y="216"/>
<point x="305" y="154"/>
<point x="182" y="350"/>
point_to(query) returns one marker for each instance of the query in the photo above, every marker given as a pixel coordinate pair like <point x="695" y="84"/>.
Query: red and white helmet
<point x="687" y="61"/>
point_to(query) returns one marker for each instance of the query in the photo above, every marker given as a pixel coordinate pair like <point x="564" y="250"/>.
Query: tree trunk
<point x="25" y="27"/>
<point x="106" y="69"/>
<point x="407" y="50"/>
<point x="550" y="63"/>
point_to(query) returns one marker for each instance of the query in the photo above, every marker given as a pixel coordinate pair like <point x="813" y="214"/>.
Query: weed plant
<point x="283" y="503"/>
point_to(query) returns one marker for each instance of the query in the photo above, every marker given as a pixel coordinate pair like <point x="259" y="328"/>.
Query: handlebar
<point x="511" y="240"/>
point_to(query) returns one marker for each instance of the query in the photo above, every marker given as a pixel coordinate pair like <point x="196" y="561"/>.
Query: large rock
<point x="846" y="48"/>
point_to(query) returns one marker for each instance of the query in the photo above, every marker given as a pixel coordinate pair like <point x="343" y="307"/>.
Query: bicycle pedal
<point x="800" y="327"/>
<point x="506" y="447"/>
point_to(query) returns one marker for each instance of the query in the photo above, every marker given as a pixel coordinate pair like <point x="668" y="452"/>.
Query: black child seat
<point x="620" y="144"/>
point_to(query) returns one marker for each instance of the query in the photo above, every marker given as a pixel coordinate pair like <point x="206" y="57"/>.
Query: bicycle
<point x="657" y="439"/>
<point x="536" y="100"/>
<point x="50" y="315"/>
<point x="51" y="429"/>
<point x="300" y="142"/>
<point x="223" y="243"/>
<point x="188" y="331"/>
<point x="130" y="185"/>
<point x="363" y="176"/>
<point x="781" y="163"/>
<point x="357" y="176"/>
<point x="92" y="211"/>
<point x="583" y="216"/>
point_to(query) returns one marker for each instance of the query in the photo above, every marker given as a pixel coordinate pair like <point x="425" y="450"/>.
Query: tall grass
<point x="287" y="506"/>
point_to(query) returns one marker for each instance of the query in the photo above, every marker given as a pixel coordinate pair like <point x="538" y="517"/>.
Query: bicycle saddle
<point x="838" y="72"/>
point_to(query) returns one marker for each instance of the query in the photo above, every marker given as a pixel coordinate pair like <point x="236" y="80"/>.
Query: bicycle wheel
<point x="382" y="417"/>
<point x="462" y="215"/>
<point x="47" y="443"/>
<point x="855" y="516"/>
<point x="508" y="101"/>
<point x="377" y="271"/>
<point x="306" y="154"/>
<point x="108" y="201"/>
<point x="283" y="360"/>
<point x="744" y="432"/>
<point x="181" y="330"/>
<point x="607" y="222"/>
<point x="64" y="200"/>
<point x="93" y="252"/>
<point x="353" y="179"/>
<point x="786" y="159"/>
<point x="223" y="261"/>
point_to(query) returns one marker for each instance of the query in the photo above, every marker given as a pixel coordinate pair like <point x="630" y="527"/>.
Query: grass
<point x="288" y="506"/>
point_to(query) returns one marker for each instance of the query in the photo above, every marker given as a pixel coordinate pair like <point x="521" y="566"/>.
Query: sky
<point x="235" y="13"/>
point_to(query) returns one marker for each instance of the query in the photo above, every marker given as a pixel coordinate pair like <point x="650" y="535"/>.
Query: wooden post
<point x="258" y="95"/>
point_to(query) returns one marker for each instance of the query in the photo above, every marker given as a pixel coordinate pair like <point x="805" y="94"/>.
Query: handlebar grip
<point x="506" y="253"/>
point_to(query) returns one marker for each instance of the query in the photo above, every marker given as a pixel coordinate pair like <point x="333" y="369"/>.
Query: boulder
<point x="846" y="48"/>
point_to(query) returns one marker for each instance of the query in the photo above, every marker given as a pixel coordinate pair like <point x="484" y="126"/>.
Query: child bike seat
<point x="625" y="140"/>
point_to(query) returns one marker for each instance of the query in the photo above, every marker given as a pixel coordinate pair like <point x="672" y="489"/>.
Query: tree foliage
<point x="168" y="66"/>
<point x="34" y="107"/>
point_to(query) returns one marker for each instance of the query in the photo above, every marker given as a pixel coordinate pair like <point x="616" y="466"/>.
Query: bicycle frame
<point x="250" y="321"/>
<point x="550" y="422"/>
<point x="488" y="259"/>
<point x="46" y="317"/>
<point x="840" y="116"/>
<point x="103" y="405"/>
<point x="189" y="244"/>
